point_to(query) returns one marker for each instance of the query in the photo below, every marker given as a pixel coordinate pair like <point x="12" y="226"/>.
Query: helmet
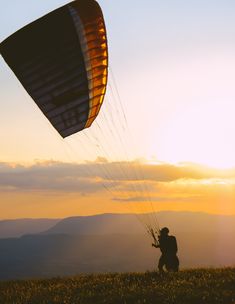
<point x="164" y="230"/>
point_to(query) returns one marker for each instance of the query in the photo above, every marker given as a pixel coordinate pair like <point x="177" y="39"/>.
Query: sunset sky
<point x="166" y="129"/>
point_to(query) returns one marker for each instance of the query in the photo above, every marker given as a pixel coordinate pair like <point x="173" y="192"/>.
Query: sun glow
<point x="202" y="134"/>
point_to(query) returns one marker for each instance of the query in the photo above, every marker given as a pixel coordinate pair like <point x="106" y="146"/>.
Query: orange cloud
<point x="56" y="189"/>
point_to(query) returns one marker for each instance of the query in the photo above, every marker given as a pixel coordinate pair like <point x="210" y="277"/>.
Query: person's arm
<point x="176" y="246"/>
<point x="151" y="231"/>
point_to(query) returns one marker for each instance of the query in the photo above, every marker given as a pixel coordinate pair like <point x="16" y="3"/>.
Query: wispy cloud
<point x="155" y="199"/>
<point x="62" y="189"/>
<point x="91" y="177"/>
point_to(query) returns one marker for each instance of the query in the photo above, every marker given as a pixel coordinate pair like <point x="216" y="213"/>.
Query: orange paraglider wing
<point x="61" y="60"/>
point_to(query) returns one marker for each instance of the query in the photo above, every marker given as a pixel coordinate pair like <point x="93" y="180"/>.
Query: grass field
<point x="189" y="286"/>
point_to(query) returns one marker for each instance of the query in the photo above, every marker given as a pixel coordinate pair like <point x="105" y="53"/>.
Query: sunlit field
<point x="188" y="286"/>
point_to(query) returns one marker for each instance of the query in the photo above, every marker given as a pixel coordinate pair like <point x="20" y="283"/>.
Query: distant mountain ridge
<point x="101" y="224"/>
<point x="177" y="222"/>
<point x="19" y="227"/>
<point x="116" y="242"/>
<point x="108" y="223"/>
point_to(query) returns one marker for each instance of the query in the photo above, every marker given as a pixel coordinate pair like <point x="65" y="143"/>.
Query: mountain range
<point x="19" y="227"/>
<point x="111" y="242"/>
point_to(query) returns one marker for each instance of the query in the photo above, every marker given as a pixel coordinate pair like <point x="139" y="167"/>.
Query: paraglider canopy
<point x="61" y="60"/>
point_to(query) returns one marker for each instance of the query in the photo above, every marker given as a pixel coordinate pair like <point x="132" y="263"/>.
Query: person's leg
<point x="177" y="263"/>
<point x="161" y="263"/>
<point x="172" y="263"/>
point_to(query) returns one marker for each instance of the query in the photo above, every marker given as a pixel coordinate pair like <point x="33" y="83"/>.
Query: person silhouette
<point x="168" y="246"/>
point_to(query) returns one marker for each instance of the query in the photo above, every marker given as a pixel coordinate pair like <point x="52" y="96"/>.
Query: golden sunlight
<point x="203" y="133"/>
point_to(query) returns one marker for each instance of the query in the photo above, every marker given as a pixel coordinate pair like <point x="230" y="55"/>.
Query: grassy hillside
<point x="189" y="286"/>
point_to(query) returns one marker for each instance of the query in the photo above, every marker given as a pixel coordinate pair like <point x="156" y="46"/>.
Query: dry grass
<point x="189" y="286"/>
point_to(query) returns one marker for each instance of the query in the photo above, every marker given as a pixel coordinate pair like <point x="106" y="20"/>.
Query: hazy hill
<point x="179" y="222"/>
<point x="101" y="224"/>
<point x="53" y="255"/>
<point x="19" y="227"/>
<point x="116" y="243"/>
<point x="203" y="239"/>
